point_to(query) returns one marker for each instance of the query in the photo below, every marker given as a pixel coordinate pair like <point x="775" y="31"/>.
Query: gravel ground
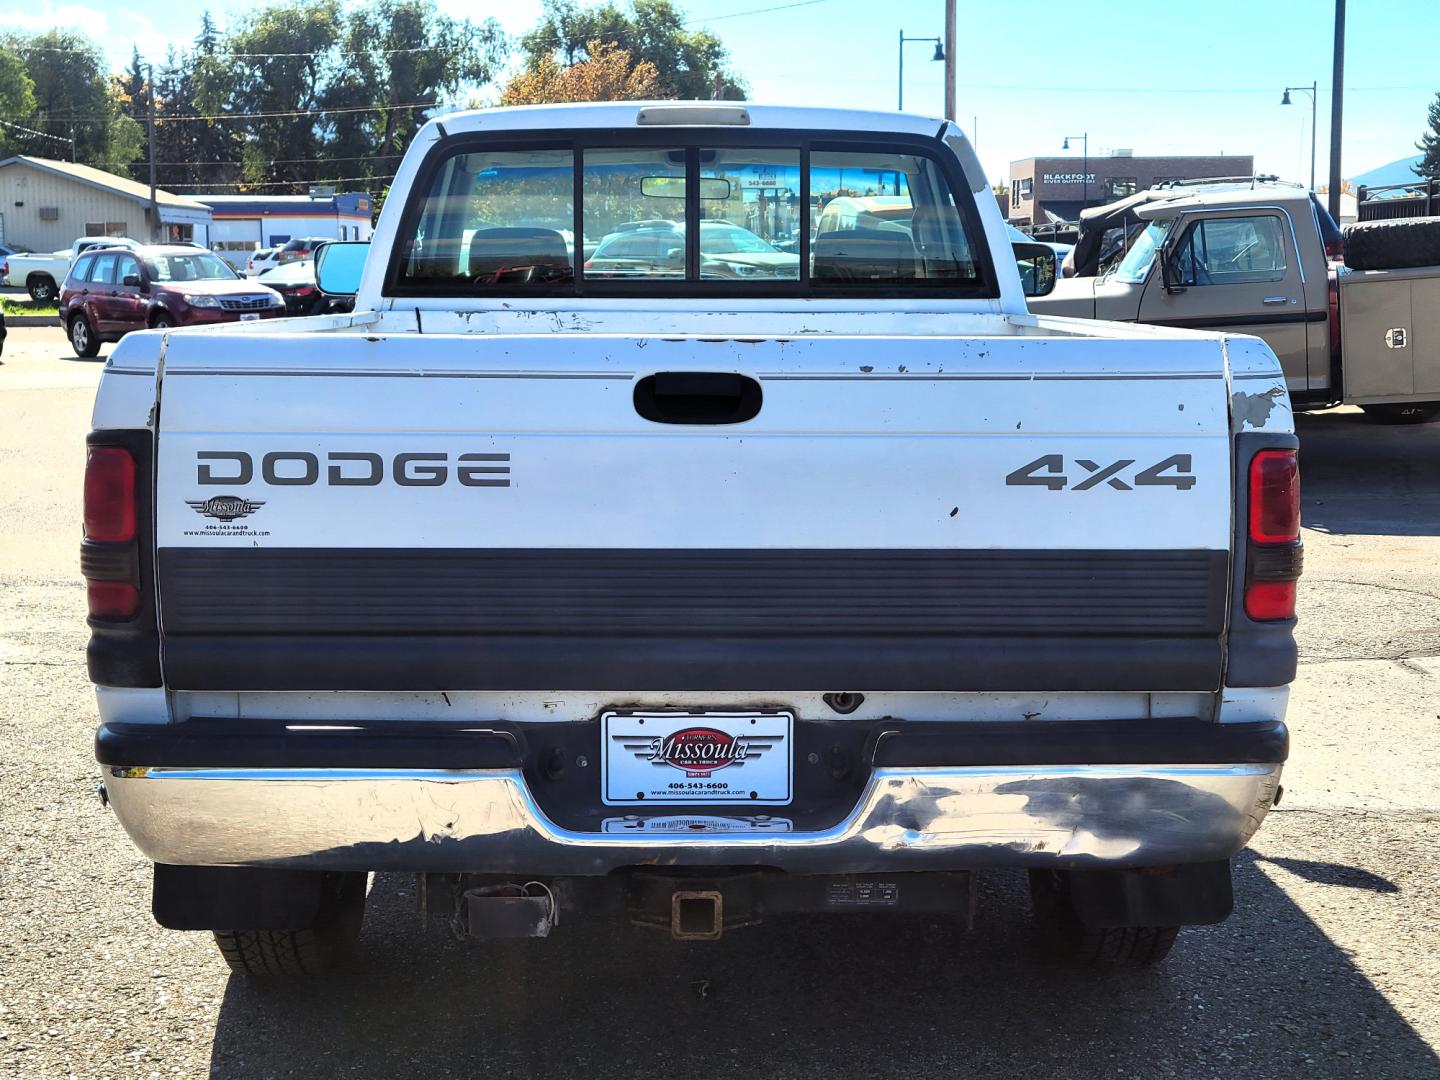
<point x="1326" y="969"/>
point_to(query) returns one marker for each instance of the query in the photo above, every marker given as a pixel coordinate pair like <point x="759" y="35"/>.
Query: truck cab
<point x="1250" y="258"/>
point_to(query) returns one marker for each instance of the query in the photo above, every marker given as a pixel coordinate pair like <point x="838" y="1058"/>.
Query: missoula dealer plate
<point x="696" y="757"/>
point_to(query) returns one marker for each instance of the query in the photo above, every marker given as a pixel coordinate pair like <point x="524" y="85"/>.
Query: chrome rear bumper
<point x="487" y="821"/>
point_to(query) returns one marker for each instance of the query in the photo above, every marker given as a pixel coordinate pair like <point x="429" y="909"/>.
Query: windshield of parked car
<point x="1135" y="267"/>
<point x="190" y="266"/>
<point x="727" y="241"/>
<point x="506" y="220"/>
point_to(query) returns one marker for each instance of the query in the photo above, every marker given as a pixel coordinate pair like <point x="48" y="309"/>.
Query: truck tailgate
<point x="1006" y="513"/>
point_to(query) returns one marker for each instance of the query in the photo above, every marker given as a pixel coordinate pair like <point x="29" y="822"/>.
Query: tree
<point x="17" y="98"/>
<point x="608" y="75"/>
<point x="73" y="99"/>
<point x="1429" y="144"/>
<point x="688" y="63"/>
<point x="400" y="58"/>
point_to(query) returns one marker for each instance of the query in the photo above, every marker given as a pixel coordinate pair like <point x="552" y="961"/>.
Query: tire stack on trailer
<point x="1395" y="244"/>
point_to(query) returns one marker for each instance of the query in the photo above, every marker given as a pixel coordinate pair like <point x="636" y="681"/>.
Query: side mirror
<point x="1170" y="274"/>
<point x="131" y="281"/>
<point x="1036" y="263"/>
<point x="338" y="267"/>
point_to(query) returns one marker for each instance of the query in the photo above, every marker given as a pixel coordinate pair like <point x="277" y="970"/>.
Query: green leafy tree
<point x="17" y="98"/>
<point x="74" y="99"/>
<point x="1429" y="144"/>
<point x="275" y="65"/>
<point x="396" y="54"/>
<point x="687" y="63"/>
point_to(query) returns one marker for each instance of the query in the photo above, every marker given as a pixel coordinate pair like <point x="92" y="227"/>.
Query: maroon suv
<point x="110" y="292"/>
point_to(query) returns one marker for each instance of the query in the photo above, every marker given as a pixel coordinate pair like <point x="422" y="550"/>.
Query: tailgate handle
<point x="697" y="397"/>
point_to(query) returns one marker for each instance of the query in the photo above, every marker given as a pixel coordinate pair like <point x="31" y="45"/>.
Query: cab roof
<point x="724" y="115"/>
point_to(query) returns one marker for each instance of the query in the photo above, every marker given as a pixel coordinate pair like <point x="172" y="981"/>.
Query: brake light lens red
<point x="1273" y="555"/>
<point x="113" y="600"/>
<point x="1274" y="497"/>
<point x="1267" y="600"/>
<point x="109" y="494"/>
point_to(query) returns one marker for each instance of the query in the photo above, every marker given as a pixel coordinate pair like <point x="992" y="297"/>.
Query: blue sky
<point x="1196" y="78"/>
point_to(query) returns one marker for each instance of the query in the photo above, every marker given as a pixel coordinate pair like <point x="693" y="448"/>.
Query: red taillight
<point x="587" y="265"/>
<point x="109" y="494"/>
<point x="112" y="599"/>
<point x="305" y="290"/>
<point x="1265" y="600"/>
<point x="1335" y="247"/>
<point x="111" y="586"/>
<point x="1334" y="306"/>
<point x="1274" y="497"/>
<point x="1273" y="555"/>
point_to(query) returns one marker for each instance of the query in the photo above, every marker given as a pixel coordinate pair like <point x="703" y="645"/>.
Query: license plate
<point x="696" y="757"/>
<point x="249" y="316"/>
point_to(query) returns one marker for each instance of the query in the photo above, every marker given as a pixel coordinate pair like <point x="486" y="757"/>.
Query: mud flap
<point x="1194" y="895"/>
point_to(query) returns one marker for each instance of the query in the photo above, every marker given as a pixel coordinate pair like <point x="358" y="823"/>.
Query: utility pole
<point x="1337" y="102"/>
<point x="950" y="60"/>
<point x="154" y="205"/>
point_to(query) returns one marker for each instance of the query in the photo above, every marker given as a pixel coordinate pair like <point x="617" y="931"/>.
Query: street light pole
<point x="949" y="59"/>
<point x="939" y="55"/>
<point x="1084" y="169"/>
<point x="1313" y="90"/>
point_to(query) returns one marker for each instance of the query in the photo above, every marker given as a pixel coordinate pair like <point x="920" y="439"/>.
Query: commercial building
<point x="246" y="222"/>
<point x="46" y="205"/>
<point x="1057" y="188"/>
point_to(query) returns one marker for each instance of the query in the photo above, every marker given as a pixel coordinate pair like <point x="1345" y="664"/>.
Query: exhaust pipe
<point x="697" y="915"/>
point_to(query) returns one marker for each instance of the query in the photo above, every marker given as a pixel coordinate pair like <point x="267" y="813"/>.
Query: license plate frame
<point x="668" y="757"/>
<point x="249" y="316"/>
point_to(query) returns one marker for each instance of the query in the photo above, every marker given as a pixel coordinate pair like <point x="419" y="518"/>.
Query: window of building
<point x="49" y="213"/>
<point x="1230" y="251"/>
<point x="1119" y="187"/>
<point x="174" y="233"/>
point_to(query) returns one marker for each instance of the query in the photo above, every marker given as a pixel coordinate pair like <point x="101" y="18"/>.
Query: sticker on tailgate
<point x="696" y="757"/>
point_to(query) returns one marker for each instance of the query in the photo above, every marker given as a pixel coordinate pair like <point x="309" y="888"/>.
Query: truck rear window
<point x="618" y="219"/>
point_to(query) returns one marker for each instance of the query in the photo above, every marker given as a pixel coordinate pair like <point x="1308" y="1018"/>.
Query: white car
<point x="41" y="274"/>
<point x="262" y="260"/>
<point x="696" y="598"/>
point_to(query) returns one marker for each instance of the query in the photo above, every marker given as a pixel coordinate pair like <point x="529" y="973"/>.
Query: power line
<point x="288" y="183"/>
<point x="756" y="11"/>
<point x="230" y="116"/>
<point x="269" y="161"/>
<point x="289" y="55"/>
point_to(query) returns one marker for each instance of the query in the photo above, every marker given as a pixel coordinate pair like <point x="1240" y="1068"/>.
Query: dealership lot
<point x="1323" y="970"/>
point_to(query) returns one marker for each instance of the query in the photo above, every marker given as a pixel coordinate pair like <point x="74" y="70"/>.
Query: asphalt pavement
<point x="1327" y="968"/>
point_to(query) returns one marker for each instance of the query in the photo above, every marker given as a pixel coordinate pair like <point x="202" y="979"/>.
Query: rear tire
<point x="1106" y="948"/>
<point x="83" y="338"/>
<point x="1421" y="413"/>
<point x="327" y="945"/>
<point x="41" y="288"/>
<point x="162" y="322"/>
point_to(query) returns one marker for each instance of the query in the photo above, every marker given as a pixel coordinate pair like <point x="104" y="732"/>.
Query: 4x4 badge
<point x="225" y="507"/>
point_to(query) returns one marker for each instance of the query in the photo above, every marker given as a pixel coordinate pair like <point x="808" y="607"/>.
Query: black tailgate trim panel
<point x="566" y="618"/>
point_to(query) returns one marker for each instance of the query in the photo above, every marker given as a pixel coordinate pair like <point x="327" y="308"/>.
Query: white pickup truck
<point x="702" y="596"/>
<point x="41" y="275"/>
